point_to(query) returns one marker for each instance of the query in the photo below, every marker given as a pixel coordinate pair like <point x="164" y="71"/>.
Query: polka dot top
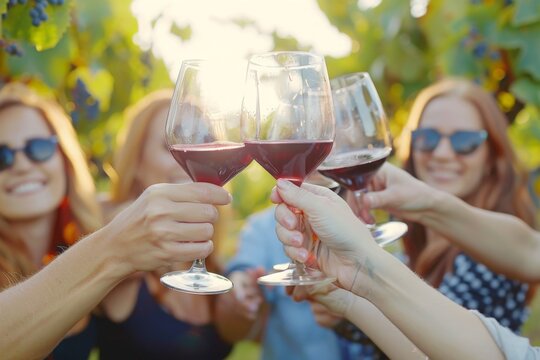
<point x="474" y="286"/>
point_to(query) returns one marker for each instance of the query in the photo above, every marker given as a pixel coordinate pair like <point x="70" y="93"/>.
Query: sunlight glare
<point x="368" y="4"/>
<point x="232" y="28"/>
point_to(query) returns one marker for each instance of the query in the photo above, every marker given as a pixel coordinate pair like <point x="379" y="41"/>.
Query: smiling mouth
<point x="27" y="188"/>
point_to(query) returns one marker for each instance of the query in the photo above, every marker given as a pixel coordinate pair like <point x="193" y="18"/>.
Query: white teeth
<point x="27" y="187"/>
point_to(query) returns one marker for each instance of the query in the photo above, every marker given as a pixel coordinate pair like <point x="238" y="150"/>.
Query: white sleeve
<point x="513" y="347"/>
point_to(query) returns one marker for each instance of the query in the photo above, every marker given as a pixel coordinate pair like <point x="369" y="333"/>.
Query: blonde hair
<point x="80" y="185"/>
<point x="130" y="142"/>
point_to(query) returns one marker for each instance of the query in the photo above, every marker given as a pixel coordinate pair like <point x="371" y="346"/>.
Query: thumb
<point x="295" y="196"/>
<point x="379" y="199"/>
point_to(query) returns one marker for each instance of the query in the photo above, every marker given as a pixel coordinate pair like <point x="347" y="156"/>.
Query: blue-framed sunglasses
<point x="464" y="142"/>
<point x="36" y="149"/>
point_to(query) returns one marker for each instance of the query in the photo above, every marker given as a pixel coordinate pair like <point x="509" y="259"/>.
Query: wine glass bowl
<point x="288" y="127"/>
<point x="362" y="145"/>
<point x="203" y="135"/>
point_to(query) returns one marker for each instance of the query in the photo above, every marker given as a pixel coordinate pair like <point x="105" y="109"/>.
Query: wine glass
<point x="361" y="146"/>
<point x="288" y="128"/>
<point x="203" y="135"/>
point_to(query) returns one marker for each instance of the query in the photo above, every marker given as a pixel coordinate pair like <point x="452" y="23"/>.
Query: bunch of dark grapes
<point x="15" y="2"/>
<point x="37" y="13"/>
<point x="85" y="105"/>
<point x="11" y="48"/>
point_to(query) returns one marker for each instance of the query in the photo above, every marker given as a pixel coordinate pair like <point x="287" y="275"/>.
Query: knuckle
<point x="208" y="231"/>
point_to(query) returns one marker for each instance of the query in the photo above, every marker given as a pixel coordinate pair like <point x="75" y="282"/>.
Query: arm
<point x="240" y="312"/>
<point x="152" y="232"/>
<point x="438" y="327"/>
<point x="363" y="315"/>
<point x="502" y="242"/>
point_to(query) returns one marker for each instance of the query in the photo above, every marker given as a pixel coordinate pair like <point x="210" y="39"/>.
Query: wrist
<point x="441" y="207"/>
<point x="367" y="275"/>
<point x="111" y="264"/>
<point x="352" y="274"/>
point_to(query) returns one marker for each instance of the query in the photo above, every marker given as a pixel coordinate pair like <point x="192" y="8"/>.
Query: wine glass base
<point x="291" y="278"/>
<point x="387" y="233"/>
<point x="284" y="266"/>
<point x="198" y="283"/>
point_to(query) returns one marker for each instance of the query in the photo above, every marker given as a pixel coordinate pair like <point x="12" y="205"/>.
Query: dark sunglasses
<point x="37" y="150"/>
<point x="464" y="142"/>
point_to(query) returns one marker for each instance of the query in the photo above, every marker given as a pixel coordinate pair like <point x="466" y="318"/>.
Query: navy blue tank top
<point x="78" y="346"/>
<point x="151" y="333"/>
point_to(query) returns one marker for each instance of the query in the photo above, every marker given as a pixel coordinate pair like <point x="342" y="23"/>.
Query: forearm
<point x="440" y="328"/>
<point x="381" y="331"/>
<point x="37" y="313"/>
<point x="503" y="242"/>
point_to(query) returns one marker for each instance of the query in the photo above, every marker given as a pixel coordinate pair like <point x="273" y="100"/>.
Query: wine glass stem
<point x="300" y="269"/>
<point x="361" y="211"/>
<point x="198" y="266"/>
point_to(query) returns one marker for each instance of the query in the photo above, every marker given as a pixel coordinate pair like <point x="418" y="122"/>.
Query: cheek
<point x="477" y="167"/>
<point x="57" y="169"/>
<point x="420" y="161"/>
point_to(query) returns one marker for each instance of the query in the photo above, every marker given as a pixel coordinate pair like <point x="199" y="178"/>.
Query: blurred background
<point x="98" y="57"/>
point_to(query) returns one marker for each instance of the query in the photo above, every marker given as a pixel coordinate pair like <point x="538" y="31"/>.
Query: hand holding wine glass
<point x="361" y="146"/>
<point x="288" y="127"/>
<point x="203" y="134"/>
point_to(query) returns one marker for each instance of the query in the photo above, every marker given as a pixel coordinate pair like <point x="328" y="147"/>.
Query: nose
<point x="21" y="162"/>
<point x="444" y="149"/>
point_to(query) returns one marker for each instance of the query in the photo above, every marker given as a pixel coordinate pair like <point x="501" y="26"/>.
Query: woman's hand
<point x="167" y="223"/>
<point x="329" y="303"/>
<point x="345" y="242"/>
<point x="246" y="295"/>
<point x="399" y="193"/>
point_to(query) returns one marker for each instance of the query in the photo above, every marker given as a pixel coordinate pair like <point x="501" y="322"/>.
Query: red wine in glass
<point x="290" y="160"/>
<point x="214" y="163"/>
<point x="202" y="133"/>
<point x="354" y="170"/>
<point x="361" y="146"/>
<point x="288" y="127"/>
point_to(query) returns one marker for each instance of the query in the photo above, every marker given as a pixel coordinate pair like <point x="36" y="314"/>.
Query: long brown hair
<point x="503" y="188"/>
<point x="128" y="152"/>
<point x="15" y="262"/>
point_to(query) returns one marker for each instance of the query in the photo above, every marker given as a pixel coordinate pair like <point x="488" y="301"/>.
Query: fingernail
<point x="297" y="238"/>
<point x="284" y="184"/>
<point x="289" y="221"/>
<point x="230" y="197"/>
<point x="303" y="254"/>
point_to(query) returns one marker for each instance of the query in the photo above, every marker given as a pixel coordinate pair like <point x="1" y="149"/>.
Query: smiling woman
<point x="456" y="141"/>
<point x="47" y="197"/>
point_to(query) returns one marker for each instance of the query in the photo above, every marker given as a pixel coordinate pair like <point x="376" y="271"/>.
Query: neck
<point x="36" y="234"/>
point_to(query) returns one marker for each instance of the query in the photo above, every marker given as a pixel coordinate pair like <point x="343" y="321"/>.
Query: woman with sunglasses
<point x="47" y="201"/>
<point x="144" y="319"/>
<point x="456" y="142"/>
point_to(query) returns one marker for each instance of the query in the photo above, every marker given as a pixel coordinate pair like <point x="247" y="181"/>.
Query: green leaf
<point x="51" y="66"/>
<point x="3" y="10"/>
<point x="18" y="25"/>
<point x="527" y="40"/>
<point x="525" y="133"/>
<point x="526" y="12"/>
<point x="526" y="90"/>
